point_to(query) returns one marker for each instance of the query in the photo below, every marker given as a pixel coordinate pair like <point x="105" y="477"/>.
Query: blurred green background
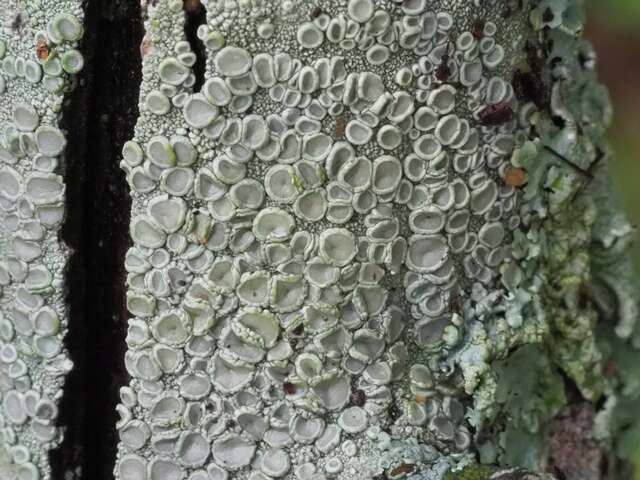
<point x="614" y="29"/>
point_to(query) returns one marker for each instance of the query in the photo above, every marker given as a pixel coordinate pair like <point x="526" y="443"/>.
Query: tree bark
<point x="313" y="240"/>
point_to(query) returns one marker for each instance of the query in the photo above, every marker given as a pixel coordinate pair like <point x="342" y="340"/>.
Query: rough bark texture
<point x="370" y="239"/>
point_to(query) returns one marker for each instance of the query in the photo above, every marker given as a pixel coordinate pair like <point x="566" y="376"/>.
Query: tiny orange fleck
<point x="403" y="468"/>
<point x="421" y="399"/>
<point x="514" y="176"/>
<point x="42" y="50"/>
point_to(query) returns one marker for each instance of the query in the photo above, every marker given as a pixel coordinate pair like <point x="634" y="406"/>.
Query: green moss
<point x="472" y="472"/>
<point x="571" y="343"/>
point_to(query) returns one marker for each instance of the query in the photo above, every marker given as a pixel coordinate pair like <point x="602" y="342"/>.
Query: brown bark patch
<point x="574" y="453"/>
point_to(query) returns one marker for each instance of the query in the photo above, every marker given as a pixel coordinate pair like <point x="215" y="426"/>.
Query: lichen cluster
<point x="38" y="58"/>
<point x="364" y="244"/>
<point x="337" y="235"/>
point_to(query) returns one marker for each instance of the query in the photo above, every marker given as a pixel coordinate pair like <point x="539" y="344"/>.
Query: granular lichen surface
<point x="366" y="247"/>
<point x="342" y="230"/>
<point x="38" y="61"/>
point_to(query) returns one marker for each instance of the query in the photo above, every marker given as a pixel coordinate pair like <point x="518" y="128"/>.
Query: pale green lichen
<point x="340" y="246"/>
<point x="364" y="249"/>
<point x="333" y="253"/>
<point x="34" y="37"/>
<point x="577" y="242"/>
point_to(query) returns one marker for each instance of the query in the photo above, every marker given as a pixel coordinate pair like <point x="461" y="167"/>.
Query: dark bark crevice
<point x="196" y="15"/>
<point x="99" y="117"/>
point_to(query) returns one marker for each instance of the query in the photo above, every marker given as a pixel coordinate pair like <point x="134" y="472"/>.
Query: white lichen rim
<point x="285" y="256"/>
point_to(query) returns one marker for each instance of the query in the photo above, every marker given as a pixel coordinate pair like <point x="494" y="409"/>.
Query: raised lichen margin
<point x="38" y="57"/>
<point x="341" y="241"/>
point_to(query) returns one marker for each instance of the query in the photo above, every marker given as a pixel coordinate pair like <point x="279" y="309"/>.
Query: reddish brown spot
<point x="42" y="50"/>
<point x="191" y="6"/>
<point x="443" y="71"/>
<point x="315" y="12"/>
<point x="289" y="388"/>
<point x="403" y="468"/>
<point x="610" y="368"/>
<point x="496" y="114"/>
<point x="477" y="28"/>
<point x="358" y="397"/>
<point x="514" y="176"/>
<point x="341" y="125"/>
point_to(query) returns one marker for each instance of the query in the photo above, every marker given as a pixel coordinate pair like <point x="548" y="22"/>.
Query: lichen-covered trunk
<point x="370" y="240"/>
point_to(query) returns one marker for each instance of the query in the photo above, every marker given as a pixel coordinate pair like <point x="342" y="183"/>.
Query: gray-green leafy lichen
<point x="340" y="241"/>
<point x="38" y="59"/>
<point x="585" y="317"/>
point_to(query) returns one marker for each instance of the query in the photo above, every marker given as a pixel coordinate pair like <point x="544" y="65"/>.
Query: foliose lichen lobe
<point x="341" y="239"/>
<point x="38" y="61"/>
